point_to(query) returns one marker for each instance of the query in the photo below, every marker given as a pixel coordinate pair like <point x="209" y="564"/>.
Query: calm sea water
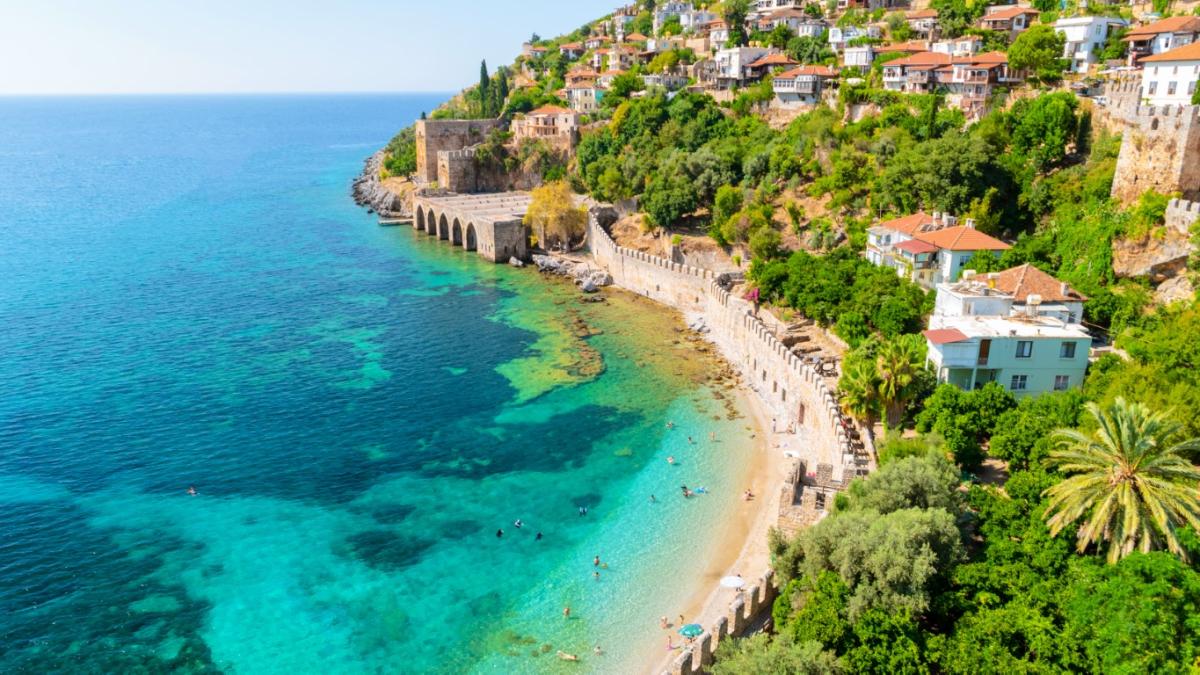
<point x="188" y="297"/>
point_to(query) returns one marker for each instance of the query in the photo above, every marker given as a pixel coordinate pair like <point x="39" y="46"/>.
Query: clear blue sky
<point x="192" y="46"/>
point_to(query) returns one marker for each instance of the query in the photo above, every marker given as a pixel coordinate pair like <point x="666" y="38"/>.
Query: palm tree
<point x="1129" y="484"/>
<point x="859" y="387"/>
<point x="896" y="364"/>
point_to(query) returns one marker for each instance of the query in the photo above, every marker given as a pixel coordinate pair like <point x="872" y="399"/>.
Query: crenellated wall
<point x="696" y="656"/>
<point x="1181" y="214"/>
<point x="796" y="394"/>
<point x="1160" y="151"/>
<point x="436" y="136"/>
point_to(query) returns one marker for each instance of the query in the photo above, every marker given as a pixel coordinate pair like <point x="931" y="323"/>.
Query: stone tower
<point x="1160" y="151"/>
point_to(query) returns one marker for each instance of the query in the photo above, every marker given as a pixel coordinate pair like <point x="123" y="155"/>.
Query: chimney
<point x="1064" y="289"/>
<point x="969" y="222"/>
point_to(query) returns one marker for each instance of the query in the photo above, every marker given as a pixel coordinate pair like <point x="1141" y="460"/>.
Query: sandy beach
<point x="741" y="545"/>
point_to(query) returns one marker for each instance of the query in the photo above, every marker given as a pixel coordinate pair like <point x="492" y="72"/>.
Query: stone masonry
<point x="491" y="224"/>
<point x="1160" y="151"/>
<point x="437" y="136"/>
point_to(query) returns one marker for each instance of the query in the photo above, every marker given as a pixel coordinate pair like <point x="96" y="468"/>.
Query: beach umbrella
<point x="733" y="582"/>
<point x="691" y="630"/>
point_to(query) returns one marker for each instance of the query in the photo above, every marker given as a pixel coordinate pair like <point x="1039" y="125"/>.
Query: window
<point x="1171" y="88"/>
<point x="1061" y="382"/>
<point x="1152" y="89"/>
<point x="1024" y="349"/>
<point x="1071" y="318"/>
<point x="1067" y="351"/>
<point x="1191" y="87"/>
<point x="1019" y="382"/>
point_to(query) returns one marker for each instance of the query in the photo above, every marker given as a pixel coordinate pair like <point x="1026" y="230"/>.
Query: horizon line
<point x="366" y="92"/>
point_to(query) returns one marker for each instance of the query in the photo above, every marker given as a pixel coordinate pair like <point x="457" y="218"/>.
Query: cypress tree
<point x="484" y="81"/>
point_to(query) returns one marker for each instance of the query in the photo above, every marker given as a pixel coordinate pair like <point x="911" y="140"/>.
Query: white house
<point x="923" y="22"/>
<point x="584" y="97"/>
<point x="666" y="10"/>
<point x="1085" y="38"/>
<point x="1161" y="36"/>
<point x="1170" y="78"/>
<point x="839" y="36"/>
<point x="803" y="85"/>
<point x="668" y="81"/>
<point x="927" y="248"/>
<point x="733" y="65"/>
<point x="693" y="20"/>
<point x="966" y="45"/>
<point x="1020" y="328"/>
<point x="858" y="57"/>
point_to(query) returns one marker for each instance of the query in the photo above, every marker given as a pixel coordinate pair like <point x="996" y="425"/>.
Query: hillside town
<point x="952" y="232"/>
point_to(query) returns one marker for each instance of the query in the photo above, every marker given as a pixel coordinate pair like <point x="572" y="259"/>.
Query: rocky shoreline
<point x="589" y="278"/>
<point x="369" y="191"/>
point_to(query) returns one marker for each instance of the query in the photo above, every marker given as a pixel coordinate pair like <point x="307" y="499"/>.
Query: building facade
<point x="1085" y="37"/>
<point x="1170" y="78"/>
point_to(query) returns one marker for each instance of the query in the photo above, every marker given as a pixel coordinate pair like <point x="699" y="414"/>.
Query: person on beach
<point x="670" y="646"/>
<point x="712" y="435"/>
<point x="662" y="623"/>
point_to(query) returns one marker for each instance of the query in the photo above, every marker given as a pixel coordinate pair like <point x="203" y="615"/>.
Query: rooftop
<point x="1174" y="24"/>
<point x="1008" y="13"/>
<point x="923" y="14"/>
<point x="962" y="238"/>
<point x="819" y="71"/>
<point x="1002" y="326"/>
<point x="772" y="60"/>
<point x="1025" y="280"/>
<point x="1190" y="52"/>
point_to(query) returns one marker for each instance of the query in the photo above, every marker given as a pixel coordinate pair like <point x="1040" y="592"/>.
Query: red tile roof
<point x="819" y="71"/>
<point x="551" y="110"/>
<point x="635" y="37"/>
<point x="908" y="224"/>
<point x="925" y="59"/>
<point x="942" y="336"/>
<point x="922" y="14"/>
<point x="1174" y="24"/>
<point x="962" y="238"/>
<point x="1185" y="53"/>
<point x="915" y="246"/>
<point x="1008" y="13"/>
<point x="1025" y="280"/>
<point x="773" y="60"/>
<point x="912" y="46"/>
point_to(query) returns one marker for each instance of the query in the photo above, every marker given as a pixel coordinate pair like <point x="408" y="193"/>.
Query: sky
<point x="242" y="46"/>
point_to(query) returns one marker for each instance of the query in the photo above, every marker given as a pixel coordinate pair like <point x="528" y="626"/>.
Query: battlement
<point x="434" y="137"/>
<point x="1160" y="151"/>
<point x="1181" y="214"/>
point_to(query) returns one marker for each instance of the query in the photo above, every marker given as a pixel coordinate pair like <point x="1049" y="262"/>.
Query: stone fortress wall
<point x="696" y="657"/>
<point x="1160" y="151"/>
<point x="1181" y="214"/>
<point x="794" y="392"/>
<point x="436" y="136"/>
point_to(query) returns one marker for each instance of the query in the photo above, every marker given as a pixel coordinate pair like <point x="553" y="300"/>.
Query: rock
<point x="368" y="191"/>
<point x="1160" y="255"/>
<point x="1175" y="290"/>
<point x="515" y="262"/>
<point x="589" y="287"/>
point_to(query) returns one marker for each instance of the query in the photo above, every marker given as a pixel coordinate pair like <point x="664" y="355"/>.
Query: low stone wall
<point x="698" y="655"/>
<point x="792" y="390"/>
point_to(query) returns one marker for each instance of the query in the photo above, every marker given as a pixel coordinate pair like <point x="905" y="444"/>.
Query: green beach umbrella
<point x="691" y="630"/>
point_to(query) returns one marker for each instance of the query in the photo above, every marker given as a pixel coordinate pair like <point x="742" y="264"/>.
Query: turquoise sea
<point x="188" y="297"/>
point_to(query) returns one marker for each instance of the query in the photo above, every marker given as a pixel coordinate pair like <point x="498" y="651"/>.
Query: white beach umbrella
<point x="733" y="582"/>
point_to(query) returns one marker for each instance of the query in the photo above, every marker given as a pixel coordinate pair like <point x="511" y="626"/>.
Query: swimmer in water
<point x="192" y="490"/>
<point x="499" y="533"/>
<point x="517" y="523"/>
<point x="538" y="537"/>
<point x="670" y="459"/>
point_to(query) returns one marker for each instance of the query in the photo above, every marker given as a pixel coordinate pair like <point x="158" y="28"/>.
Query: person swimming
<point x="517" y="523"/>
<point x="538" y="537"/>
<point x="499" y="533"/>
<point x="192" y="490"/>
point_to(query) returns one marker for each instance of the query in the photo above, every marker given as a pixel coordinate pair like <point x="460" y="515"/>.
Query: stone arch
<point x="431" y="222"/>
<point x="443" y="228"/>
<point x="456" y="233"/>
<point x="470" y="241"/>
<point x="419" y="222"/>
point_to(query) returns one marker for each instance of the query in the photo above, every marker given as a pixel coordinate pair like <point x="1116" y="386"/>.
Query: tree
<point x="766" y="244"/>
<point x="1039" y="50"/>
<point x="1127" y="481"/>
<point x="734" y="14"/>
<point x="554" y="216"/>
<point x="928" y="481"/>
<point x="485" y="100"/>
<point x="859" y="388"/>
<point x="760" y="654"/>
<point x="897" y="364"/>
<point x="1044" y="126"/>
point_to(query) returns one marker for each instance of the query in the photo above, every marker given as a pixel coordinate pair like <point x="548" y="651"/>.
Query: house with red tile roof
<point x="1171" y="78"/>
<point x="928" y="248"/>
<point x="803" y="85"/>
<point x="1019" y="328"/>
<point x="923" y="22"/>
<point x="1161" y="36"/>
<point x="548" y="122"/>
<point x="1010" y="19"/>
<point x="968" y="81"/>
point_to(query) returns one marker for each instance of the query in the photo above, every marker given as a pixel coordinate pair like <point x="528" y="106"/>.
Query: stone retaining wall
<point x="697" y="655"/>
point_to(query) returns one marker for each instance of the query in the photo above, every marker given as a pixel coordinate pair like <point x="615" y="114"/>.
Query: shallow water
<point x="189" y="297"/>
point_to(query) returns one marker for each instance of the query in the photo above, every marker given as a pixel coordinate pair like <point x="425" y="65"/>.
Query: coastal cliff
<point x="369" y="191"/>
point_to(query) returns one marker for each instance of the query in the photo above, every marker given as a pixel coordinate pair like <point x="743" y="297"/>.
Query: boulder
<point x="515" y="262"/>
